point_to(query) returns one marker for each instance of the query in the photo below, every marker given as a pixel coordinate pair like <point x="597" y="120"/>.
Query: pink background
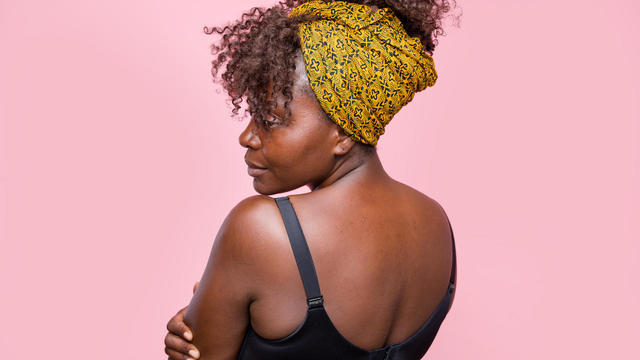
<point x="119" y="163"/>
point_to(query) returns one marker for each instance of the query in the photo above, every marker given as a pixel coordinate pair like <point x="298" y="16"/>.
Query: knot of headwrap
<point x="362" y="65"/>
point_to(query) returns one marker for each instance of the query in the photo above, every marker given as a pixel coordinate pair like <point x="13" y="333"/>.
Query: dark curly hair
<point x="260" y="48"/>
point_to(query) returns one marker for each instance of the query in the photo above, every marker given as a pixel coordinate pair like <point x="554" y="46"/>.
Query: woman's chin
<point x="260" y="188"/>
<point x="265" y="189"/>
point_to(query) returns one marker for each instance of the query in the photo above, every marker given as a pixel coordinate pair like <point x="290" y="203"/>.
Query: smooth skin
<point x="382" y="250"/>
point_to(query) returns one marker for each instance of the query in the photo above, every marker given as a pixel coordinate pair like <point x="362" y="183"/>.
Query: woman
<point x="374" y="258"/>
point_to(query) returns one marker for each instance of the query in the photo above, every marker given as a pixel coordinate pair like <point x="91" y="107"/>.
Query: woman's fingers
<point x="174" y="355"/>
<point x="176" y="347"/>
<point x="176" y="342"/>
<point x="177" y="326"/>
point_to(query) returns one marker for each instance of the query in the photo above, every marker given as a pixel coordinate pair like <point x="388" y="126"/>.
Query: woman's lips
<point x="255" y="171"/>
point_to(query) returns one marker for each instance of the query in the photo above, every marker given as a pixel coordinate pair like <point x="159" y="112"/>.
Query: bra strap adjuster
<point x="315" y="301"/>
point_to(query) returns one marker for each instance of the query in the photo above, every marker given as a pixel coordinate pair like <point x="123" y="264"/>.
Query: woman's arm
<point x="177" y="341"/>
<point x="219" y="310"/>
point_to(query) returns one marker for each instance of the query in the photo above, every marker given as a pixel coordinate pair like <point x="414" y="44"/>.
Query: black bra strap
<point x="452" y="279"/>
<point x="300" y="252"/>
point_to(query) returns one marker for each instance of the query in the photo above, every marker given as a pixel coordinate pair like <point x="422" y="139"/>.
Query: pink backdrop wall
<point x="119" y="163"/>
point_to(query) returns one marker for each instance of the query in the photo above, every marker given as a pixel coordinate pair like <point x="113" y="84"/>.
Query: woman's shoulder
<point x="252" y="217"/>
<point x="402" y="197"/>
<point x="255" y="225"/>
<point x="253" y="203"/>
<point x="421" y="199"/>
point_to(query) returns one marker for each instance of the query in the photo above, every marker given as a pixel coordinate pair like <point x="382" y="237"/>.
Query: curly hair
<point x="259" y="49"/>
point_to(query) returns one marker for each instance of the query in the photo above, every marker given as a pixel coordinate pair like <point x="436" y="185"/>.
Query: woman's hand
<point x="177" y="342"/>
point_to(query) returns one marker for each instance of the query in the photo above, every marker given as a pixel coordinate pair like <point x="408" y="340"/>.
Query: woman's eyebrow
<point x="279" y="108"/>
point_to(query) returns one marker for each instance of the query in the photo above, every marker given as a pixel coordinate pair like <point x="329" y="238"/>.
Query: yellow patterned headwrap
<point x="362" y="65"/>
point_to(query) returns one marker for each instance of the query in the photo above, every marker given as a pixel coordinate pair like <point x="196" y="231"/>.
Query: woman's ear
<point x="344" y="143"/>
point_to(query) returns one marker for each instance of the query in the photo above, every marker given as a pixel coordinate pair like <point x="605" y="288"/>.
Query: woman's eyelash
<point x="270" y="123"/>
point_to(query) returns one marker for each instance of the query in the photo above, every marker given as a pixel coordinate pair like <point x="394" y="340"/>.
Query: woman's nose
<point x="248" y="137"/>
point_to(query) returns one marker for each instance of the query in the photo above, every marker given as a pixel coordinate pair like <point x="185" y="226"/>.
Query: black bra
<point x="317" y="337"/>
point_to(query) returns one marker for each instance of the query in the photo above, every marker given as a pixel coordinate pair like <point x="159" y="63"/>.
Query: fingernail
<point x="187" y="335"/>
<point x="194" y="353"/>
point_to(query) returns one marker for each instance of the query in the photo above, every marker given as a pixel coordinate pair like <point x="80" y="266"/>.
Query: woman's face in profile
<point x="285" y="154"/>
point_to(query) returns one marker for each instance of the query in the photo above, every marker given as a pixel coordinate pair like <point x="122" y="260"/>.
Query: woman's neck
<point x="354" y="169"/>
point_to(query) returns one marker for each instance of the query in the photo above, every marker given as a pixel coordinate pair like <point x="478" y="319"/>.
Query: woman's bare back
<point x="382" y="252"/>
